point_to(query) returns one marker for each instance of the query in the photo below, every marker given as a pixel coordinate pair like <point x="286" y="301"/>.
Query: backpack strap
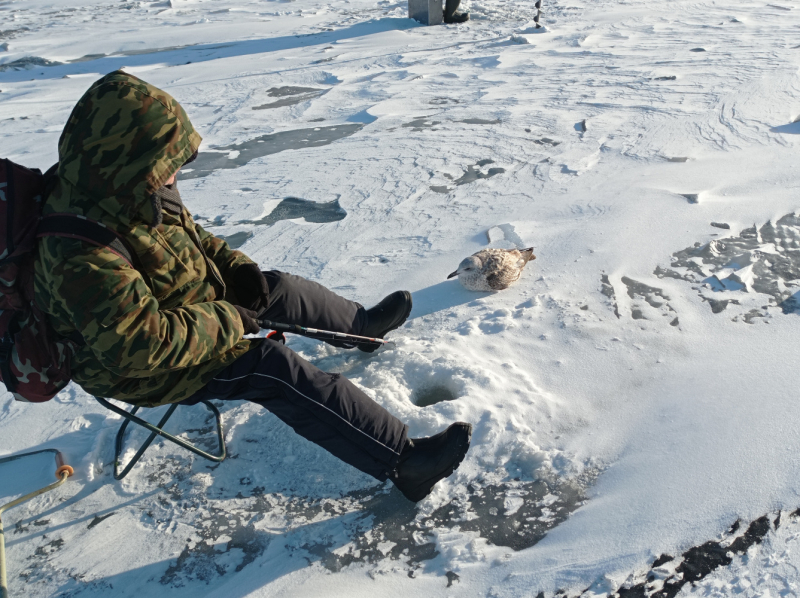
<point x="78" y="227"/>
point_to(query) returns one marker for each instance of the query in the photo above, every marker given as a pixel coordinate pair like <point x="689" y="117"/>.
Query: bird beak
<point x="449" y="276"/>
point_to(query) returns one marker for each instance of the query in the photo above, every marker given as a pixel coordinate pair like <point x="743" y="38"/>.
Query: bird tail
<point x="527" y="254"/>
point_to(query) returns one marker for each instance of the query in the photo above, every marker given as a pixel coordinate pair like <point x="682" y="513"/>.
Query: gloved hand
<point x="248" y="318"/>
<point x="250" y="287"/>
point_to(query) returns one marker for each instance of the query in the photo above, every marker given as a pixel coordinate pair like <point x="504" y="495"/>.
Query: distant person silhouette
<point x="450" y="14"/>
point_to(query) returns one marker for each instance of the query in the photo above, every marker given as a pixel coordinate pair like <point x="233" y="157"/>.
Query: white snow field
<point x="634" y="394"/>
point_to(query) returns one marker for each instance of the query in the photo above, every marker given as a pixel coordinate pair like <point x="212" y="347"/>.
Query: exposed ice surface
<point x="631" y="398"/>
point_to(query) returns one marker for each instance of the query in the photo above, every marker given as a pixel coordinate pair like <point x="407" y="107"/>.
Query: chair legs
<point x="158" y="431"/>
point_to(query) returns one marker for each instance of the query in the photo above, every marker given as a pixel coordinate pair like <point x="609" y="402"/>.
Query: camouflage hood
<point x="123" y="140"/>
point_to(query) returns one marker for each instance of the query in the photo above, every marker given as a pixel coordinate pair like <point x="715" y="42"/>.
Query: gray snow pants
<point x="326" y="409"/>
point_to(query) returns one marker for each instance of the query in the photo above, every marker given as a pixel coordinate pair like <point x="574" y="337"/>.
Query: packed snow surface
<point x="633" y="394"/>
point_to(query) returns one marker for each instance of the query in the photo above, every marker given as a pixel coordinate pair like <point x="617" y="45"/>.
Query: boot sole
<point x="373" y="348"/>
<point x="425" y="488"/>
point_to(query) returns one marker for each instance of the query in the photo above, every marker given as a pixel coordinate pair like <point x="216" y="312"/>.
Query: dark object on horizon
<point x="538" y="6"/>
<point x="427" y="12"/>
<point x="450" y="15"/>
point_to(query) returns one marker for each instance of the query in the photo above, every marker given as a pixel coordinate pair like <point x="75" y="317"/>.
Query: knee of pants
<point x="274" y="278"/>
<point x="284" y="370"/>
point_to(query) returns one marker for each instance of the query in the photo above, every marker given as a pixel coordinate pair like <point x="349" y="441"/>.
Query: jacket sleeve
<point x="225" y="258"/>
<point x="109" y="303"/>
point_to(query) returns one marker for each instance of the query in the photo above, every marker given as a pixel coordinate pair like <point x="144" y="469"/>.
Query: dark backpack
<point x="34" y="359"/>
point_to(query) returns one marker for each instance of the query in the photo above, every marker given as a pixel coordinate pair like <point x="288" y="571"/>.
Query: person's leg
<point x="326" y="409"/>
<point x="295" y="300"/>
<point x="330" y="411"/>
<point x="450" y="15"/>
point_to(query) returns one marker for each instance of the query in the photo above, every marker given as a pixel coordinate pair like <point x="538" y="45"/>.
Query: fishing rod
<point x="323" y="335"/>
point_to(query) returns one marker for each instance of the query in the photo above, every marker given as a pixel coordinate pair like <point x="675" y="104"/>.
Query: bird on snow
<point x="492" y="269"/>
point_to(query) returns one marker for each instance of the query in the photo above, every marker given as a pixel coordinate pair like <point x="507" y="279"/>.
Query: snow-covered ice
<point x="633" y="395"/>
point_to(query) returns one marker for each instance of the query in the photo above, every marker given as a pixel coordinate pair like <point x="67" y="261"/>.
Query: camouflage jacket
<point x="158" y="333"/>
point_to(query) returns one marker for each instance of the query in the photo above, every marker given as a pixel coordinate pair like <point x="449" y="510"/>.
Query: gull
<point x="492" y="269"/>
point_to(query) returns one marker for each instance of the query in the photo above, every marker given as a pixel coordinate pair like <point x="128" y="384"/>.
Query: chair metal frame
<point x="157" y="430"/>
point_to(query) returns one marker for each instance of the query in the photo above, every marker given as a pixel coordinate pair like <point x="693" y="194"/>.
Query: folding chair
<point x="130" y="416"/>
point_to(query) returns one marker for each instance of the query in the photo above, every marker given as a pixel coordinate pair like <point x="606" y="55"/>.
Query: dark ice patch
<point x="691" y="197"/>
<point x="265" y="145"/>
<point x="514" y="514"/>
<point x="99" y="519"/>
<point x="26" y="63"/>
<point x="723" y="225"/>
<point x="480" y="121"/>
<point x="12" y="33"/>
<point x="772" y="251"/>
<point x="289" y="90"/>
<point x="678" y="159"/>
<point x="546" y="141"/>
<point x="443" y="101"/>
<point x="669" y="273"/>
<point x="473" y="173"/>
<point x="719" y="305"/>
<point x="418" y="124"/>
<point x="289" y="96"/>
<point x="653" y="296"/>
<point x="296" y="207"/>
<point x="650" y="294"/>
<point x="697" y="50"/>
<point x="665" y="78"/>
<point x="440" y="189"/>
<point x="694" y="564"/>
<point x="607" y="289"/>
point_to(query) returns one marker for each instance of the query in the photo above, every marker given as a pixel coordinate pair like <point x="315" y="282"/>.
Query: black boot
<point x="389" y="314"/>
<point x="425" y="461"/>
<point x="450" y="15"/>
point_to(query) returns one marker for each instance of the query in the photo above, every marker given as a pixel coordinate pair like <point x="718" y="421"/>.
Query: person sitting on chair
<point x="172" y="329"/>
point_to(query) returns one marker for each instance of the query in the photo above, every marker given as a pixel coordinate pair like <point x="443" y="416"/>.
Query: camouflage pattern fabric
<point x="158" y="333"/>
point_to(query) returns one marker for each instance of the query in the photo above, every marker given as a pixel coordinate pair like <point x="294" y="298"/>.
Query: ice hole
<point x="430" y="395"/>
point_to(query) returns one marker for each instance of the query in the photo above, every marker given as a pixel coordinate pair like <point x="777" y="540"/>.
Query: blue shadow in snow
<point x="203" y="52"/>
<point x="791" y="305"/>
<point x="790" y="129"/>
<point x="441" y="296"/>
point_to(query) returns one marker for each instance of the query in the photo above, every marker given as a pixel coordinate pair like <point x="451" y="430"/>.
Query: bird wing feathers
<point x="502" y="267"/>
